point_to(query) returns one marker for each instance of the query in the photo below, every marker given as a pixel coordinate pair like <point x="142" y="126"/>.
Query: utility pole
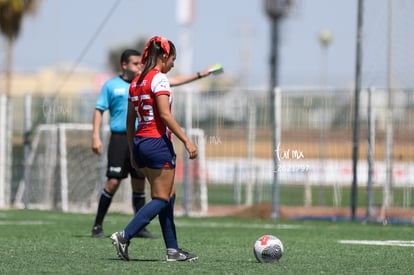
<point x="276" y="10"/>
<point x="325" y="39"/>
<point x="185" y="18"/>
<point x="387" y="196"/>
<point x="355" y="140"/>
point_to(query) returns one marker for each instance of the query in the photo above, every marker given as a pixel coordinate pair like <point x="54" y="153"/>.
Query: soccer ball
<point x="268" y="249"/>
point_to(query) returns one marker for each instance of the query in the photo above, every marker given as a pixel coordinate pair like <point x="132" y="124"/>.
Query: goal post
<point x="198" y="178"/>
<point x="5" y="149"/>
<point x="64" y="174"/>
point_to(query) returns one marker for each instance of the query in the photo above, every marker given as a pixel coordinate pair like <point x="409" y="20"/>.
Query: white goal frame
<point x="55" y="170"/>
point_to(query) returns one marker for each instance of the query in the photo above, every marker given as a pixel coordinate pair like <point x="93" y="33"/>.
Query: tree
<point x="11" y="15"/>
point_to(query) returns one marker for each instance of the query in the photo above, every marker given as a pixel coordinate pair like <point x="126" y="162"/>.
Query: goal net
<point x="195" y="195"/>
<point x="64" y="174"/>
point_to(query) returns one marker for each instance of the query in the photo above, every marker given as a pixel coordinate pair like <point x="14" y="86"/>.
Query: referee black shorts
<point x="119" y="162"/>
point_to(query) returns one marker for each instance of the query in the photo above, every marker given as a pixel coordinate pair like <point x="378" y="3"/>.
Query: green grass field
<point x="45" y="242"/>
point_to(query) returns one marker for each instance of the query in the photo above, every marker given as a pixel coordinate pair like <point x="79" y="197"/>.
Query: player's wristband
<point x="198" y="75"/>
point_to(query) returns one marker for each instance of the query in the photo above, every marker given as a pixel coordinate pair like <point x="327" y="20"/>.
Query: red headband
<point x="165" y="45"/>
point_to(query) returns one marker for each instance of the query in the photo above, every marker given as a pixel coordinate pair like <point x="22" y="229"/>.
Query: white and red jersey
<point x="143" y="97"/>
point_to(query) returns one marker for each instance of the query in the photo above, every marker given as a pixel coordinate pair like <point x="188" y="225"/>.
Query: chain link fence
<point x="315" y="150"/>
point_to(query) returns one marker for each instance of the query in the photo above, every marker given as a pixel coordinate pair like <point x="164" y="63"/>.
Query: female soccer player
<point x="151" y="147"/>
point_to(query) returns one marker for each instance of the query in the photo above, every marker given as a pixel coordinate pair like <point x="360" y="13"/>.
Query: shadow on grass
<point x="135" y="260"/>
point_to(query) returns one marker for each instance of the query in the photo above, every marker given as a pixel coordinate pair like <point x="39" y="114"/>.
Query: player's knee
<point x="160" y="196"/>
<point x="112" y="185"/>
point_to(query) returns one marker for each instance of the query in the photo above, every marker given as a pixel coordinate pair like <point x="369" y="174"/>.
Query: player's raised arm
<point x="184" y="79"/>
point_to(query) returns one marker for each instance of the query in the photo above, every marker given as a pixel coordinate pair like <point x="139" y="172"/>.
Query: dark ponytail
<point x="156" y="47"/>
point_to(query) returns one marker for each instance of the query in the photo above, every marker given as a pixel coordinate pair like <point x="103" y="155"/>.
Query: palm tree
<point x="11" y="14"/>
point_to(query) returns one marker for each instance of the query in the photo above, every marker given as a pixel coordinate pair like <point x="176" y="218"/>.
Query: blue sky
<point x="235" y="33"/>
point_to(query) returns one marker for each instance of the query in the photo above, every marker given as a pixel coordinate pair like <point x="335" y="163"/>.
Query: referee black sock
<point x="138" y="201"/>
<point x="104" y="203"/>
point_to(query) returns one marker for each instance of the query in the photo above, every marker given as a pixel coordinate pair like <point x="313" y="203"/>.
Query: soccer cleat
<point x="174" y="255"/>
<point x="144" y="233"/>
<point x="97" y="232"/>
<point x="121" y="245"/>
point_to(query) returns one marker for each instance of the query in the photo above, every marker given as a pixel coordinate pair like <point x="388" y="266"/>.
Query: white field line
<point x="24" y="223"/>
<point x="374" y="242"/>
<point x="236" y="225"/>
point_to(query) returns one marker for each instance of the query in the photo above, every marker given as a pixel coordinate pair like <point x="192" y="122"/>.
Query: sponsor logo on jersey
<point x="119" y="91"/>
<point x="115" y="169"/>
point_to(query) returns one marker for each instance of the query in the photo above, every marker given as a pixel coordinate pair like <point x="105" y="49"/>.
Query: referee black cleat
<point x="97" y="232"/>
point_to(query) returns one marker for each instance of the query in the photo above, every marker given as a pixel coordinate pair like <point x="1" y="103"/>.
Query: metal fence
<point x="315" y="150"/>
